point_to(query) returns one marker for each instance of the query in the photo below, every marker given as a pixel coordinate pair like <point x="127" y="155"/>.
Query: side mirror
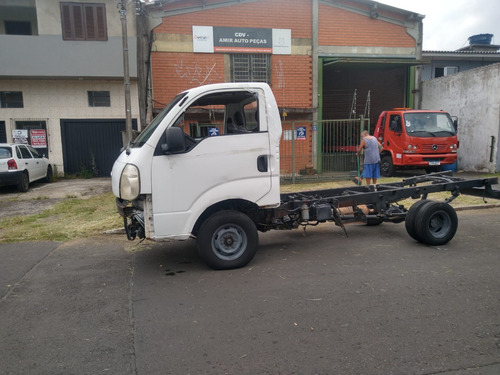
<point x="455" y="124"/>
<point x="175" y="141"/>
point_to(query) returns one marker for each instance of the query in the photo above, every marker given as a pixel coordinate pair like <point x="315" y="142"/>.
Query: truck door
<point x="394" y="138"/>
<point x="227" y="157"/>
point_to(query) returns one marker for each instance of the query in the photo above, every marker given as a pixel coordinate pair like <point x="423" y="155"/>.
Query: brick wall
<point x="277" y="14"/>
<point x="339" y="27"/>
<point x="290" y="74"/>
<point x="176" y="72"/>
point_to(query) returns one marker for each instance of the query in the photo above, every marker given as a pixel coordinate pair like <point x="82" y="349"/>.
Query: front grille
<point x="434" y="147"/>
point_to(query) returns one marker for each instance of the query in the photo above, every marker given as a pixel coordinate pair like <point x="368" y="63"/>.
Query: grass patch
<point x="79" y="218"/>
<point x="67" y="220"/>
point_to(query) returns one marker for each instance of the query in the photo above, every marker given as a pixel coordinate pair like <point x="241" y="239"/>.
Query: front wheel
<point x="227" y="239"/>
<point x="49" y="174"/>
<point x="387" y="166"/>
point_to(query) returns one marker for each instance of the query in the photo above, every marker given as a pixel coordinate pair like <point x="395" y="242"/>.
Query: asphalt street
<point x="313" y="302"/>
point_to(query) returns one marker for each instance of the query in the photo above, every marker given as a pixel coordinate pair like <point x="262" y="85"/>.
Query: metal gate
<point x="320" y="150"/>
<point x="90" y="147"/>
<point x="340" y="140"/>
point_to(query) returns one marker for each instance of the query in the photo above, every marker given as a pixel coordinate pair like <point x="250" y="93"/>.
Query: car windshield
<point x="429" y="124"/>
<point x="146" y="133"/>
<point x="5" y="152"/>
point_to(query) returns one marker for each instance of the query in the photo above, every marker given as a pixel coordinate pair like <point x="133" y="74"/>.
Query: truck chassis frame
<point x="227" y="234"/>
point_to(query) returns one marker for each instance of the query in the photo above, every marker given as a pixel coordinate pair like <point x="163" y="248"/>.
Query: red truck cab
<point x="416" y="139"/>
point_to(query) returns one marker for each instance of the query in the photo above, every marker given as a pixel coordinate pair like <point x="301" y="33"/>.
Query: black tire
<point x="24" y="184"/>
<point x="386" y="166"/>
<point x="411" y="215"/>
<point x="48" y="176"/>
<point x="429" y="170"/>
<point x="227" y="239"/>
<point x="436" y="224"/>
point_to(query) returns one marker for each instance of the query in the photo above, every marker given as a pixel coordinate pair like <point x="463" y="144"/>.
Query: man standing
<point x="371" y="167"/>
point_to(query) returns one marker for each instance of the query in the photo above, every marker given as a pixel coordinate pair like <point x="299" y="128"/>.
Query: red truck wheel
<point x="227" y="239"/>
<point x="386" y="166"/>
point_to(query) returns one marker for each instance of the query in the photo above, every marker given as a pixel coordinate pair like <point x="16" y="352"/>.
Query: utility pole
<point x="126" y="74"/>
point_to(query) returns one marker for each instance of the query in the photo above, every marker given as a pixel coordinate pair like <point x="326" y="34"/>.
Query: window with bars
<point x="251" y="68"/>
<point x="83" y="21"/>
<point x="11" y="99"/>
<point x="99" y="99"/>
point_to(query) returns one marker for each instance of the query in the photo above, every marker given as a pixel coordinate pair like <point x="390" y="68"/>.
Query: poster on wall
<point x="214" y="39"/>
<point x="203" y="39"/>
<point x="38" y="138"/>
<point x="20" y="136"/>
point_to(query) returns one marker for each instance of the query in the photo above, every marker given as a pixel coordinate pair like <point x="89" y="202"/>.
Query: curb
<point x="477" y="207"/>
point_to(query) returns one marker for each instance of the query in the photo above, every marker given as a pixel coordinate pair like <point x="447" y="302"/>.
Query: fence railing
<point x="320" y="150"/>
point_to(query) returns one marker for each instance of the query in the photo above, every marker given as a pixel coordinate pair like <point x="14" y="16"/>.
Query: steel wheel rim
<point x="439" y="224"/>
<point x="229" y="242"/>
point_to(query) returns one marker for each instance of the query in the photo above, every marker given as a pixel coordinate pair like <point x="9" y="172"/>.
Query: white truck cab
<point x="213" y="149"/>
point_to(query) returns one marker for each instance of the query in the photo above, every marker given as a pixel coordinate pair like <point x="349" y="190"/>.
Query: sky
<point x="449" y="23"/>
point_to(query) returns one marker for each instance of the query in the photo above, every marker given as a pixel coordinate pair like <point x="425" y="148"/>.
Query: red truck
<point x="416" y="139"/>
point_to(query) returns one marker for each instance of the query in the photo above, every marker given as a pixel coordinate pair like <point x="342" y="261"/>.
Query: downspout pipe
<point x="315" y="75"/>
<point x="418" y="68"/>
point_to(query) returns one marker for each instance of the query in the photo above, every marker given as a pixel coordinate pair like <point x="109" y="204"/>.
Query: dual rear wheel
<point x="431" y="222"/>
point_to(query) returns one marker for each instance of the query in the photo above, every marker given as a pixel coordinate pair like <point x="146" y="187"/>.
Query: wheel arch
<point x="240" y="205"/>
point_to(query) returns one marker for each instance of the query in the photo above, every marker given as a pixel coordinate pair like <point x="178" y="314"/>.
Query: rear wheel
<point x="227" y="239"/>
<point x="386" y="166"/>
<point x="432" y="169"/>
<point x="24" y="184"/>
<point x="411" y="217"/>
<point x="436" y="224"/>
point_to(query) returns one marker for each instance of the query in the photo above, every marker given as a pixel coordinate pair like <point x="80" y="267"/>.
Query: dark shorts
<point x="371" y="170"/>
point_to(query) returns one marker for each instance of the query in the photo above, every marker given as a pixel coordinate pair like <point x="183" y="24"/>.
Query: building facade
<point x="324" y="60"/>
<point x="62" y="76"/>
<point x="480" y="52"/>
<point x="328" y="50"/>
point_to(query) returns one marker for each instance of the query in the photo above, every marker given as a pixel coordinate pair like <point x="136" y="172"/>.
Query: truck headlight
<point x="130" y="183"/>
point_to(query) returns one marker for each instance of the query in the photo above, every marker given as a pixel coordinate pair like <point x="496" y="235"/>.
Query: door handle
<point x="262" y="164"/>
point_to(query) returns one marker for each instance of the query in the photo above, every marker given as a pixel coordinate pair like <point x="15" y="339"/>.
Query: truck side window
<point x="395" y="123"/>
<point x="234" y="112"/>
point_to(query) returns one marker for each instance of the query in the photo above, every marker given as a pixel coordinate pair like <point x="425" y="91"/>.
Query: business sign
<point x="203" y="39"/>
<point x="243" y="39"/>
<point x="38" y="138"/>
<point x="301" y="133"/>
<point x="20" y="136"/>
<point x="210" y="39"/>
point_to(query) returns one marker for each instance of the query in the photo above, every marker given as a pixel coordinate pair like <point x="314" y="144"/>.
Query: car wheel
<point x="437" y="223"/>
<point x="24" y="184"/>
<point x="49" y="175"/>
<point x="227" y="239"/>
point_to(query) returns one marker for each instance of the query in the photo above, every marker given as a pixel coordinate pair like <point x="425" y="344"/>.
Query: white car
<point x="21" y="164"/>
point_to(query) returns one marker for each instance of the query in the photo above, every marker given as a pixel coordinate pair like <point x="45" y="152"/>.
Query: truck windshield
<point x="429" y="124"/>
<point x="146" y="133"/>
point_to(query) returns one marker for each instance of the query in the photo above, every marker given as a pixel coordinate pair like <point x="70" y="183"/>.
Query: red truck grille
<point x="434" y="147"/>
